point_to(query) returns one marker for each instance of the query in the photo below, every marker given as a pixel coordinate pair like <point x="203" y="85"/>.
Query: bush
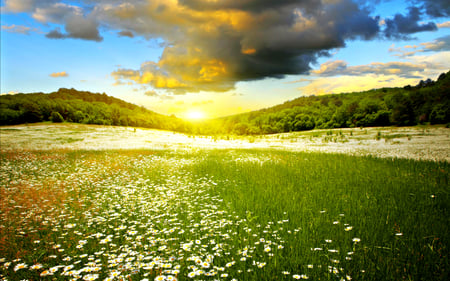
<point x="56" y="117"/>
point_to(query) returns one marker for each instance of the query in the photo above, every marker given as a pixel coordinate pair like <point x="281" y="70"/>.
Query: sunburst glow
<point x="195" y="115"/>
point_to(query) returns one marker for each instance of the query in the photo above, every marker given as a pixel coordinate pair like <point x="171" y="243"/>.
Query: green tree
<point x="56" y="117"/>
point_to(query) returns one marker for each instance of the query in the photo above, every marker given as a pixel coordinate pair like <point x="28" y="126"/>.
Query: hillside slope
<point x="81" y="107"/>
<point x="428" y="102"/>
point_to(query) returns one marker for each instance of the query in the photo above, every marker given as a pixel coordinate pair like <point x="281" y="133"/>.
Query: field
<point x="113" y="203"/>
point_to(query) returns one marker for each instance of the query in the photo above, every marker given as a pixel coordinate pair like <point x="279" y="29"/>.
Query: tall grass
<point x="222" y="214"/>
<point x="398" y="208"/>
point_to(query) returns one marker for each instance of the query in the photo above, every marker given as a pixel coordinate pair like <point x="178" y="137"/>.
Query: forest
<point x="426" y="103"/>
<point x="70" y="105"/>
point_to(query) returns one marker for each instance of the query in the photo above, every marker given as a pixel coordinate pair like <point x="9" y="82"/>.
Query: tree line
<point x="426" y="103"/>
<point x="70" y="105"/>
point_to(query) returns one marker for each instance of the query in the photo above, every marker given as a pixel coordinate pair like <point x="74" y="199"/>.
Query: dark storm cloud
<point x="212" y="45"/>
<point x="55" y="34"/>
<point x="125" y="33"/>
<point x="77" y="27"/>
<point x="402" y="26"/>
<point x="247" y="5"/>
<point x="83" y="28"/>
<point x="436" y="8"/>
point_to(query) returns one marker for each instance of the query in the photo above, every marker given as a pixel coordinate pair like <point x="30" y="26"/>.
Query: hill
<point x="426" y="103"/>
<point x="82" y="107"/>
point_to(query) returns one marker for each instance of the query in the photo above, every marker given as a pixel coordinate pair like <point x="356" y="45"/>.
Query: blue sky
<point x="221" y="57"/>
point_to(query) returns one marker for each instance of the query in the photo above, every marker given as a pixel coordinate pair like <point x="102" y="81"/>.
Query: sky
<point x="213" y="58"/>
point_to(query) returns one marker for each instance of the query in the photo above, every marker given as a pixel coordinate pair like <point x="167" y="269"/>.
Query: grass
<point x="221" y="214"/>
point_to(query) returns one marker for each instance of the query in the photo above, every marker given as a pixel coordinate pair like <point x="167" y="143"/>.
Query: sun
<point x="195" y="115"/>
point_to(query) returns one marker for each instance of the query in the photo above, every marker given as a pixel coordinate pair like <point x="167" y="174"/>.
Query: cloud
<point x="302" y="80"/>
<point x="444" y="24"/>
<point x="78" y="22"/>
<point x="436" y="8"/>
<point x="59" y="74"/>
<point x="350" y="83"/>
<point x="20" y="6"/>
<point x="433" y="66"/>
<point x="77" y="27"/>
<point x="213" y="45"/>
<point x="9" y="93"/>
<point x="438" y="45"/>
<point x="56" y="13"/>
<point x="83" y="28"/>
<point x="55" y="34"/>
<point x="151" y="93"/>
<point x="125" y="33"/>
<point x="338" y="77"/>
<point x="400" y="69"/>
<point x="400" y="27"/>
<point x="19" y="29"/>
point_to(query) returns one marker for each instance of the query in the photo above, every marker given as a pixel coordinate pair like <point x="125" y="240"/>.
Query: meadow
<point x="220" y="214"/>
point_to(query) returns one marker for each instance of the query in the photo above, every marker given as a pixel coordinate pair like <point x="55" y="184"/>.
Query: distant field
<point x="112" y="203"/>
<point x="420" y="142"/>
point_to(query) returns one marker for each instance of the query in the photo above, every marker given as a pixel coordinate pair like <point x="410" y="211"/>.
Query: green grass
<point x="243" y="214"/>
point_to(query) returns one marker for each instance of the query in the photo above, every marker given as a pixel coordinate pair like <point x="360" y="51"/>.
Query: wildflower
<point x="356" y="240"/>
<point x="160" y="278"/>
<point x="36" y="266"/>
<point x="398" y="234"/>
<point x="90" y="277"/>
<point x="348" y="228"/>
<point x="69" y="267"/>
<point x="261" y="264"/>
<point x="20" y="266"/>
<point x="285" y="272"/>
<point x="230" y="264"/>
<point x="191" y="274"/>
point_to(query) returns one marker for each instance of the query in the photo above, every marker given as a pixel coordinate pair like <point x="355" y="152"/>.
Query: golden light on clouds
<point x="59" y="74"/>
<point x="249" y="51"/>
